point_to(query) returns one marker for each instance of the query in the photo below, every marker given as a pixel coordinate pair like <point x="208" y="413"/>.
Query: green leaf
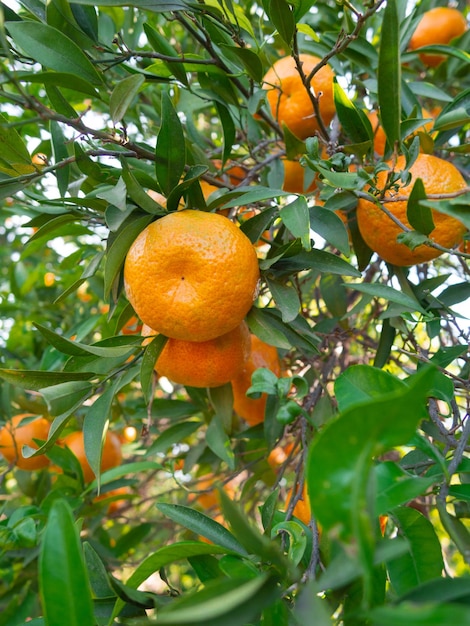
<point x="233" y="602"/>
<point x="389" y="73"/>
<point x="286" y="299"/>
<point x="296" y="218"/>
<point x="162" y="45"/>
<point x="248" y="59"/>
<point x="369" y="429"/>
<point x="13" y="150"/>
<point x="95" y="426"/>
<point x="219" y="442"/>
<point x="228" y="128"/>
<point x="63" y="578"/>
<point x="281" y="15"/>
<point x="421" y="615"/>
<point x="202" y="525"/>
<point x="388" y="293"/>
<point x="117" y="250"/>
<point x="174" y="434"/>
<point x="60" y="153"/>
<point x="65" y="396"/>
<point x="334" y="295"/>
<point x="361" y="383"/>
<point x="162" y="557"/>
<point x="36" y="380"/>
<point x="51" y="48"/>
<point x="354" y="122"/>
<point x="297" y="539"/>
<point x="170" y="150"/>
<point x="387" y="337"/>
<point x="396" y="487"/>
<point x="318" y="260"/>
<point x="123" y="95"/>
<point x="419" y="216"/>
<point x="424" y="560"/>
<point x="149" y="359"/>
<point x="329" y="226"/>
<point x="75" y="348"/>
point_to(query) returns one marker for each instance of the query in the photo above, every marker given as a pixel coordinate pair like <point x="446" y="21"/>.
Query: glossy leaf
<point x="389" y="73"/>
<point x="170" y="150"/>
<point x="162" y="45"/>
<point x="369" y="429"/>
<point x="51" y="48"/>
<point x="295" y="216"/>
<point x="419" y="217"/>
<point x="94" y="428"/>
<point x="281" y="15"/>
<point x="63" y="579"/>
<point x="34" y="380"/>
<point x="202" y="525"/>
<point x="360" y="383"/>
<point x="13" y="150"/>
<point x="355" y="124"/>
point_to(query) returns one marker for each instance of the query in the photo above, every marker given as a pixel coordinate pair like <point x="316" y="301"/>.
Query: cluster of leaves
<point x="127" y="97"/>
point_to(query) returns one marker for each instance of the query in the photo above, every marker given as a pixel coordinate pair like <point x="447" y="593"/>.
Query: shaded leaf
<point x="123" y="95"/>
<point x="170" y="150"/>
<point x="63" y="578"/>
<point x="389" y="73"/>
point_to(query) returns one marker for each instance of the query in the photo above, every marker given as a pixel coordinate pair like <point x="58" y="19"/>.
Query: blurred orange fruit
<point x="111" y="455"/>
<point x="437" y="26"/>
<point x="261" y="355"/>
<point x="289" y="99"/>
<point x="208" y="363"/>
<point x="380" y="232"/>
<point x="19" y="432"/>
<point x="191" y="275"/>
<point x="302" y="508"/>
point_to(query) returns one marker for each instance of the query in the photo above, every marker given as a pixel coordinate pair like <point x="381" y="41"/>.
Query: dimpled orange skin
<point x="16" y="434"/>
<point x="289" y="101"/>
<point x="111" y="455"/>
<point x="380" y="232"/>
<point x="191" y="275"/>
<point x="261" y="355"/>
<point x="437" y="26"/>
<point x="204" y="363"/>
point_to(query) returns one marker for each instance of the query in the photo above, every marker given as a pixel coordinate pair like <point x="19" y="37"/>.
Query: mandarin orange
<point x="289" y="98"/>
<point x="208" y="363"/>
<point x="437" y="26"/>
<point x="261" y="355"/>
<point x="19" y="432"/>
<point x="111" y="455"/>
<point x="191" y="275"/>
<point x="380" y="232"/>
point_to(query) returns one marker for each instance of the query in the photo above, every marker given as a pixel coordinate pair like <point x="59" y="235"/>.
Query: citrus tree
<point x="234" y="312"/>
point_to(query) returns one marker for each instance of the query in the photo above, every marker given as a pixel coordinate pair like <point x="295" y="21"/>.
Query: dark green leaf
<point x="162" y="45"/>
<point x="286" y="298"/>
<point x="95" y="427"/>
<point x="360" y="383"/>
<point x="35" y="380"/>
<point x="296" y="218"/>
<point x="419" y="216"/>
<point x="174" y="434"/>
<point x="369" y="429"/>
<point x="170" y="149"/>
<point x="51" y="48"/>
<point x="424" y="560"/>
<point x="63" y="578"/>
<point x="356" y="125"/>
<point x="13" y="150"/>
<point x="281" y="15"/>
<point x="219" y="442"/>
<point x="428" y="614"/>
<point x="149" y="359"/>
<point x="388" y="293"/>
<point x="202" y="525"/>
<point x="389" y="73"/>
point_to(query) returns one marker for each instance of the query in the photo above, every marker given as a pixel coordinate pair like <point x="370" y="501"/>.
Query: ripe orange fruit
<point x="207" y="495"/>
<point x="208" y="363"/>
<point x="279" y="455"/>
<point x="115" y="505"/>
<point x="380" y="139"/>
<point x="191" y="275"/>
<point x="289" y="100"/>
<point x="302" y="508"/>
<point x="437" y="26"/>
<point x="18" y="432"/>
<point x="261" y="355"/>
<point x="380" y="232"/>
<point x="294" y="178"/>
<point x="111" y="455"/>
